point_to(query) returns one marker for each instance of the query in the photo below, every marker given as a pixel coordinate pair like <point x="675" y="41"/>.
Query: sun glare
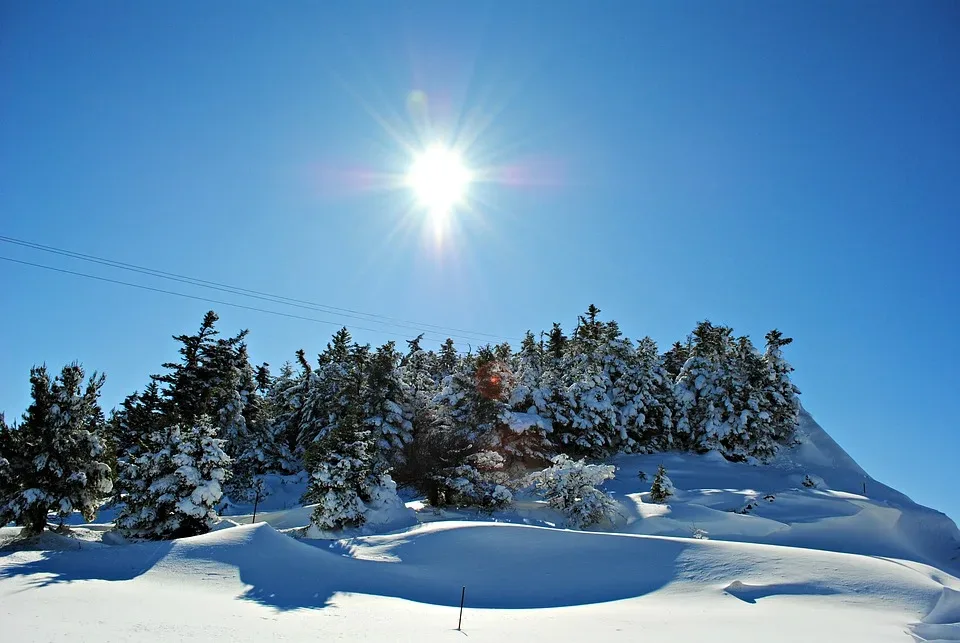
<point x="439" y="179"/>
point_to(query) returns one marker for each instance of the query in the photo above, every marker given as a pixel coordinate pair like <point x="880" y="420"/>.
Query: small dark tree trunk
<point x="34" y="521"/>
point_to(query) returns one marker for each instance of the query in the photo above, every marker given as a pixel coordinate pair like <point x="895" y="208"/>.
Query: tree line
<point x="461" y="428"/>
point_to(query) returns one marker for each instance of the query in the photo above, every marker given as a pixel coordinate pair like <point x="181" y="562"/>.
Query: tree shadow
<point x="752" y="593"/>
<point x="502" y="566"/>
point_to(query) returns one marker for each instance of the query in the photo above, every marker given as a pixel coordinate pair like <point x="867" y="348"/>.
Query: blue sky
<point x="790" y="165"/>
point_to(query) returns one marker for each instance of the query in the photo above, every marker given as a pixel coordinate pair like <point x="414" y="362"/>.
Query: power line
<point x="197" y="297"/>
<point x="264" y="296"/>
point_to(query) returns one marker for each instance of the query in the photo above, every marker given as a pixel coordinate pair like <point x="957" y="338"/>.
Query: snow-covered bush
<point x="479" y="482"/>
<point x="570" y="486"/>
<point x="662" y="487"/>
<point x="172" y="489"/>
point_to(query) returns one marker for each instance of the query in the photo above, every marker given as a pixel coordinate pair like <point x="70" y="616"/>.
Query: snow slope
<point x="828" y="563"/>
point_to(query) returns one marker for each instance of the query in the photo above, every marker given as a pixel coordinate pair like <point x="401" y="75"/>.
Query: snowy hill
<point x="741" y="553"/>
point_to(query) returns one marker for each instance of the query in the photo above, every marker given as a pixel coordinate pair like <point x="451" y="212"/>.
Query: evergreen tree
<point x="286" y="398"/>
<point x="649" y="419"/>
<point x="173" y="486"/>
<point x="479" y="482"/>
<point x="384" y="404"/>
<point x="447" y="361"/>
<point x="781" y="401"/>
<point x="345" y="477"/>
<point x="186" y="387"/>
<point x="330" y="386"/>
<point x="416" y="463"/>
<point x="255" y="451"/>
<point x="570" y="486"/>
<point x="58" y="465"/>
<point x="8" y="450"/>
<point x="139" y="415"/>
<point x="474" y="397"/>
<point x="703" y="390"/>
<point x="750" y="434"/>
<point x="525" y="437"/>
<point x="675" y="358"/>
<point x="585" y="418"/>
<point x="662" y="487"/>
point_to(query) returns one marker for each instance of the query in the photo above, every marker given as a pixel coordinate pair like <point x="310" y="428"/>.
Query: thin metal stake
<point x="463" y="593"/>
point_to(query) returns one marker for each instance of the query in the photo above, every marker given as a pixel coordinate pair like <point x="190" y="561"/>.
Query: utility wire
<point x="198" y="298"/>
<point x="264" y="296"/>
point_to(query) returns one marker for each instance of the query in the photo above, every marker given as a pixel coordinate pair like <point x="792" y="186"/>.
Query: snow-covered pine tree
<point x="662" y="487"/>
<point x="338" y="374"/>
<point x="173" y="486"/>
<point x="621" y="372"/>
<point x="447" y="361"/>
<point x="750" y="434"/>
<point x="229" y="379"/>
<point x="384" y="402"/>
<point x="255" y="451"/>
<point x="8" y="449"/>
<point x="416" y="463"/>
<point x="479" y="482"/>
<point x="570" y="486"/>
<point x="525" y="433"/>
<point x="59" y="463"/>
<point x="286" y="398"/>
<point x="345" y="475"/>
<point x="474" y="397"/>
<point x="650" y="420"/>
<point x="675" y="358"/>
<point x="472" y="407"/>
<point x="585" y="419"/>
<point x="781" y="399"/>
<point x="703" y="390"/>
<point x="186" y="386"/>
<point x="140" y="414"/>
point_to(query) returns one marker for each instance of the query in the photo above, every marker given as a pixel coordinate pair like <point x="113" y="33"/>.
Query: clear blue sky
<point x="791" y="165"/>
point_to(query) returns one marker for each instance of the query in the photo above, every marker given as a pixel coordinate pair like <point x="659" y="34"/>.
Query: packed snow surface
<point x="741" y="553"/>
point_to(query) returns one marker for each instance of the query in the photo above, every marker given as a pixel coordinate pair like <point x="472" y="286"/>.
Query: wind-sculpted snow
<point x="505" y="568"/>
<point x="790" y="551"/>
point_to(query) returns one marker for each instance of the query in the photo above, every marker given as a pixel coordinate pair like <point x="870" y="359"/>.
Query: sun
<point x="439" y="179"/>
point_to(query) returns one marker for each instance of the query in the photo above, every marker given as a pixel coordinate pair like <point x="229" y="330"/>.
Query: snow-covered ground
<point x="772" y="560"/>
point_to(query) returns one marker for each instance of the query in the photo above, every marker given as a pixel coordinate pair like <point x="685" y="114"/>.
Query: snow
<point x="826" y="563"/>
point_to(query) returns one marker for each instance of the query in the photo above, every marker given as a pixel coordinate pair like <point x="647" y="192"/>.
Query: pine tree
<point x="186" y="387"/>
<point x="570" y="486"/>
<point x="750" y="434"/>
<point x="447" y="361"/>
<point x="585" y="418"/>
<point x="139" y="415"/>
<point x="675" y="358"/>
<point x="781" y="401"/>
<point x="254" y="451"/>
<point x="662" y="487"/>
<point x="345" y="477"/>
<point x="417" y="462"/>
<point x="173" y="487"/>
<point x="286" y="397"/>
<point x="650" y="420"/>
<point x="383" y="404"/>
<point x="474" y="397"/>
<point x="8" y="449"/>
<point x="329" y="387"/>
<point x="58" y="466"/>
<point x="703" y="390"/>
<point x="525" y="438"/>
